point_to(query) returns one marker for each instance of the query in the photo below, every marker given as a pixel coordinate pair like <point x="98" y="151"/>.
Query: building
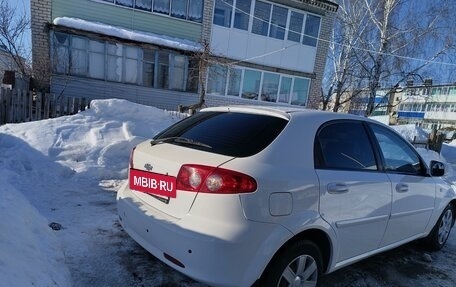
<point x="429" y="106"/>
<point x="150" y="51"/>
<point x="10" y="72"/>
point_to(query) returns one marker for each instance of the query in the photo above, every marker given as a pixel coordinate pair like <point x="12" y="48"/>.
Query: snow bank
<point x="411" y="132"/>
<point x="50" y="164"/>
<point x="30" y="254"/>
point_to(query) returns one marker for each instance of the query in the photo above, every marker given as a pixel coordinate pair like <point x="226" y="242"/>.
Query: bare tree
<point x="379" y="44"/>
<point x="396" y="37"/>
<point x="205" y="66"/>
<point x="201" y="59"/>
<point x="13" y="27"/>
<point x="342" y="74"/>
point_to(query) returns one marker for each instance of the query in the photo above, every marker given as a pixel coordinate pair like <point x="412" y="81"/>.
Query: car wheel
<point x="299" y="264"/>
<point x="439" y="234"/>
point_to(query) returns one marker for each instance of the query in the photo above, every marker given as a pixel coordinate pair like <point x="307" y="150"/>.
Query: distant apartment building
<point x="427" y="105"/>
<point x="358" y="105"/>
<point x="430" y="106"/>
<point x="148" y="51"/>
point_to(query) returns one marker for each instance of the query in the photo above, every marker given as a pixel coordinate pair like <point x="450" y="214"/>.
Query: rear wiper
<point x="182" y="140"/>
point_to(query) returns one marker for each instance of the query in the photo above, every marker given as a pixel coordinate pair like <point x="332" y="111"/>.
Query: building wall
<point x="320" y="60"/>
<point x="313" y="58"/>
<point x="207" y="21"/>
<point x="133" y="19"/>
<point x="40" y="17"/>
<point x="431" y="107"/>
<point x="164" y="99"/>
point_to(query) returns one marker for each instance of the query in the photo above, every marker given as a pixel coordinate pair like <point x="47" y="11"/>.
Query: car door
<point x="413" y="190"/>
<point x="355" y="196"/>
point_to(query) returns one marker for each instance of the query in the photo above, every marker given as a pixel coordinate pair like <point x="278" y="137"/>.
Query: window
<point x="397" y="154"/>
<point x="270" y="87"/>
<point x="126" y="3"/>
<point x="177" y="76"/>
<point x="148" y="68"/>
<point x="161" y="6"/>
<point x="251" y="85"/>
<point x="311" y="30"/>
<point x="257" y="85"/>
<point x="300" y="92"/>
<point x="261" y="18"/>
<point x="179" y="8"/>
<point x="344" y="145"/>
<point x="61" y="54"/>
<point x="114" y="71"/>
<point x="192" y="75"/>
<point x="278" y="22"/>
<point x="285" y="89"/>
<point x="234" y="82"/>
<point x="243" y="134"/>
<point x="163" y="71"/>
<point x="216" y="82"/>
<point x="145" y="5"/>
<point x="131" y="64"/>
<point x="242" y="14"/>
<point x="78" y="58"/>
<point x="295" y="28"/>
<point x="222" y="12"/>
<point x="96" y="59"/>
<point x="195" y="10"/>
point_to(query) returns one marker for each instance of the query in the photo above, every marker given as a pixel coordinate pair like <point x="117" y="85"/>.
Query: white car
<point x="241" y="196"/>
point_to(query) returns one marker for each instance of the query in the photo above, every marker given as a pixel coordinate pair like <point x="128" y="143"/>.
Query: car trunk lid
<point x="157" y="166"/>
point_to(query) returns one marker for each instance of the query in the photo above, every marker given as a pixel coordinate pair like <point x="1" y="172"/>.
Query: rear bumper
<point x="213" y="252"/>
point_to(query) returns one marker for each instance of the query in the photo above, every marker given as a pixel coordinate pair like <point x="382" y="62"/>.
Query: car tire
<point x="297" y="263"/>
<point x="441" y="231"/>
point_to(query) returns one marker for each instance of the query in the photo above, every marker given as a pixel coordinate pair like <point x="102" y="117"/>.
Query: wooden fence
<point x="18" y="106"/>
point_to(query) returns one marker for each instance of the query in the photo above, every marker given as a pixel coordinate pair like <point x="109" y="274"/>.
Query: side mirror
<point x="437" y="168"/>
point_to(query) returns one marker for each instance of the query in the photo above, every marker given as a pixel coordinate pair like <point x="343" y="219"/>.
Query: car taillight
<point x="131" y="157"/>
<point x="208" y="179"/>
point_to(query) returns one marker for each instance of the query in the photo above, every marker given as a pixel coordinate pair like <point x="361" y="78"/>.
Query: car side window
<point x="397" y="153"/>
<point x="344" y="145"/>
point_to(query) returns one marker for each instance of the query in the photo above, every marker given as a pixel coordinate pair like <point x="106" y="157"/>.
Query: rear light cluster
<point x="208" y="179"/>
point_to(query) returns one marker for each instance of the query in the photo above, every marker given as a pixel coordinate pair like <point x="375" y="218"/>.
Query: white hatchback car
<point x="241" y="196"/>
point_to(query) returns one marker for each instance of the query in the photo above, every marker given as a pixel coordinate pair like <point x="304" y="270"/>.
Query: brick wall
<point x="40" y="17"/>
<point x="320" y="60"/>
<point x="207" y="20"/>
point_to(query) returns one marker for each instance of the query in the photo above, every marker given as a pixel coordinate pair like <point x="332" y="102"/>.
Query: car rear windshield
<point x="228" y="133"/>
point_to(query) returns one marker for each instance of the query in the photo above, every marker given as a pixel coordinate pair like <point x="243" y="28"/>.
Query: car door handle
<point x="401" y="187"/>
<point x="337" y="188"/>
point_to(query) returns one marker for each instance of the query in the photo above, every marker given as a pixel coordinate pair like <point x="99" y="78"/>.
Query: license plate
<point x="153" y="183"/>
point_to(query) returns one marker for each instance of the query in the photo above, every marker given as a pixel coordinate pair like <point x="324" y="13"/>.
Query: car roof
<point x="288" y="112"/>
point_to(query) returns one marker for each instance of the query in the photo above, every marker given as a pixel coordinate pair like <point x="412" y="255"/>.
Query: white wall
<point x="242" y="45"/>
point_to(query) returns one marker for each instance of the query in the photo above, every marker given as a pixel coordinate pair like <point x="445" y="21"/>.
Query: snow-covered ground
<point x="58" y="221"/>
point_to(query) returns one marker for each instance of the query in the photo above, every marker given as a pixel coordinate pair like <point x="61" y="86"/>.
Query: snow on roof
<point x="123" y="33"/>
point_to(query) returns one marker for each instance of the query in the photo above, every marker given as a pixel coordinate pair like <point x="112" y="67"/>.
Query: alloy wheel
<point x="302" y="271"/>
<point x="445" y="226"/>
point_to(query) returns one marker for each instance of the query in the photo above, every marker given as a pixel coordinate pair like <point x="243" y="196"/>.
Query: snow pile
<point x="412" y="132"/>
<point x="30" y="254"/>
<point x="127" y="34"/>
<point x="51" y="172"/>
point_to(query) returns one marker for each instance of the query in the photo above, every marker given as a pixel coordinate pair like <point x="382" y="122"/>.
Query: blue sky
<point x="23" y="6"/>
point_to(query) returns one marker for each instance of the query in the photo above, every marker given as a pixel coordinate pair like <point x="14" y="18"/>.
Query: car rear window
<point x="228" y="133"/>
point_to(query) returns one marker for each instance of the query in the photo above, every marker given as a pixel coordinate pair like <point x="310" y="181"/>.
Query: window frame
<point x="319" y="162"/>
<point x="423" y="167"/>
